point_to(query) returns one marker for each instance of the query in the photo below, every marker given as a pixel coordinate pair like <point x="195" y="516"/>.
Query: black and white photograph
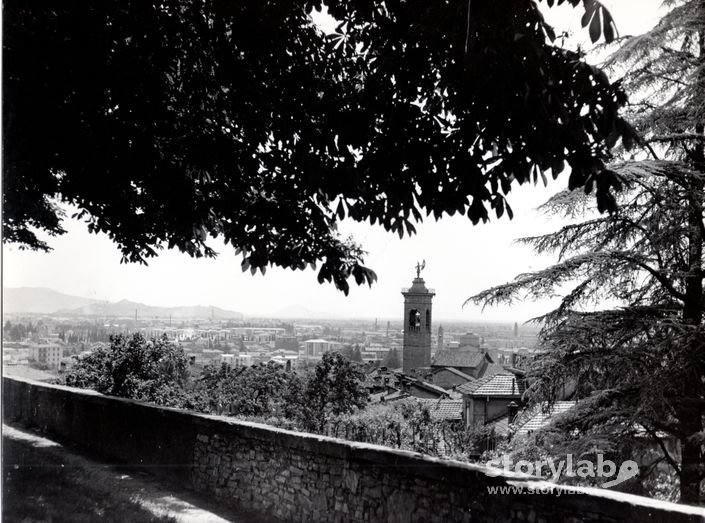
<point x="395" y="261"/>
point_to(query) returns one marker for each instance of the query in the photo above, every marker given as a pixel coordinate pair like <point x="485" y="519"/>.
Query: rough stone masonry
<point x="295" y="477"/>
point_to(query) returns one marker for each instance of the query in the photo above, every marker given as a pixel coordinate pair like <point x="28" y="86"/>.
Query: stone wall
<point x="303" y="477"/>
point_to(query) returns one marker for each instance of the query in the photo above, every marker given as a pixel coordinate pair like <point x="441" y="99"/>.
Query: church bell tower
<point x="417" y="324"/>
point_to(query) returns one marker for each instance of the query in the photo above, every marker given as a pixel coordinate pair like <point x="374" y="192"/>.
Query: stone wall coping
<point x="613" y="495"/>
<point x="376" y="455"/>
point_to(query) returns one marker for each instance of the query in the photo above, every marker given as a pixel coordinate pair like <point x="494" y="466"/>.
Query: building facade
<point x="316" y="348"/>
<point x="417" y="326"/>
<point x="47" y="354"/>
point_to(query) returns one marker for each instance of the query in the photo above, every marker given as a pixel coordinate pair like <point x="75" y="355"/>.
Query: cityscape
<point x="353" y="262"/>
<point x="46" y="345"/>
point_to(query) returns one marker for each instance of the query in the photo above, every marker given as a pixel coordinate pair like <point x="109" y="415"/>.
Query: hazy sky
<point x="461" y="259"/>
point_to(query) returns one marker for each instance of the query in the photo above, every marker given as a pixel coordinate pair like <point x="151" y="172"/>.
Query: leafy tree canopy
<point x="263" y="389"/>
<point x="335" y="388"/>
<point x="133" y="367"/>
<point x="169" y="122"/>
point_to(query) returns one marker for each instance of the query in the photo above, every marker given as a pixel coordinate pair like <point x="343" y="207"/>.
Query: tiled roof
<point x="458" y="358"/>
<point x="471" y="386"/>
<point x="454" y="371"/>
<point x="444" y="409"/>
<point x="494" y="368"/>
<point x="429" y="386"/>
<point x="500" y="385"/>
<point x="542" y="415"/>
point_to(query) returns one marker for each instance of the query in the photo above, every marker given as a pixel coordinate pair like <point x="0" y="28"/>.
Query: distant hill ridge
<point x="41" y="300"/>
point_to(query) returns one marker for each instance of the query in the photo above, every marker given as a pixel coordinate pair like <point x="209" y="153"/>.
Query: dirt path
<point x="45" y="481"/>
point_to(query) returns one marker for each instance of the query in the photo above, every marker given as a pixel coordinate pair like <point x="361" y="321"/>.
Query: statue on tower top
<point x="419" y="267"/>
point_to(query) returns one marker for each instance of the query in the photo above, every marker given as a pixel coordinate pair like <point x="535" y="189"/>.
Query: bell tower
<point x="417" y="323"/>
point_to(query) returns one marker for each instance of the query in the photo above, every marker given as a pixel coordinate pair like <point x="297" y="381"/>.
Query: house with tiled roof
<point x="490" y="397"/>
<point x="490" y="372"/>
<point x="501" y="385"/>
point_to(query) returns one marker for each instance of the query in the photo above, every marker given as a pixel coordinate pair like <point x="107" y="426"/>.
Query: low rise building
<point x="47" y="354"/>
<point x="490" y="398"/>
<point x="317" y="347"/>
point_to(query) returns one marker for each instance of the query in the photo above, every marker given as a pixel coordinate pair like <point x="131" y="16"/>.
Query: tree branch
<point x="666" y="454"/>
<point x="663" y="280"/>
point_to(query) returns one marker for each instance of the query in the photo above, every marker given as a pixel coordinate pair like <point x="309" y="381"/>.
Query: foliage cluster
<point x="158" y="371"/>
<point x="329" y="399"/>
<point x="406" y="424"/>
<point x="168" y="123"/>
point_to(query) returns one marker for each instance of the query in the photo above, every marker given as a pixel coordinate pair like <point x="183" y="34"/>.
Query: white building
<point x="48" y="354"/>
<point x="237" y="360"/>
<point x="316" y="348"/>
<point x="243" y="360"/>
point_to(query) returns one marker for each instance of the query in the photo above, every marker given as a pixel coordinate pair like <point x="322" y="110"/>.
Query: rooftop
<point x="542" y="415"/>
<point x="500" y="385"/>
<point x="458" y="358"/>
<point x="455" y="371"/>
<point x="445" y="410"/>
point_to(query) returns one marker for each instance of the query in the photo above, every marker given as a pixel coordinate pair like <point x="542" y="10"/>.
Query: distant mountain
<point x="300" y="312"/>
<point x="40" y="300"/>
<point x="129" y="308"/>
<point x="46" y="301"/>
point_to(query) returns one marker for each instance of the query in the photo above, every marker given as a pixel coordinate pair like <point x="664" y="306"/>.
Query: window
<point x="414" y="320"/>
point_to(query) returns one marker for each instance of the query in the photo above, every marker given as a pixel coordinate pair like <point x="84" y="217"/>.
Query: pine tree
<point x="639" y="365"/>
<point x="666" y="74"/>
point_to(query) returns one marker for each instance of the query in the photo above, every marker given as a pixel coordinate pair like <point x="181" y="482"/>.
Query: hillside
<point x="125" y="308"/>
<point x="40" y="300"/>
